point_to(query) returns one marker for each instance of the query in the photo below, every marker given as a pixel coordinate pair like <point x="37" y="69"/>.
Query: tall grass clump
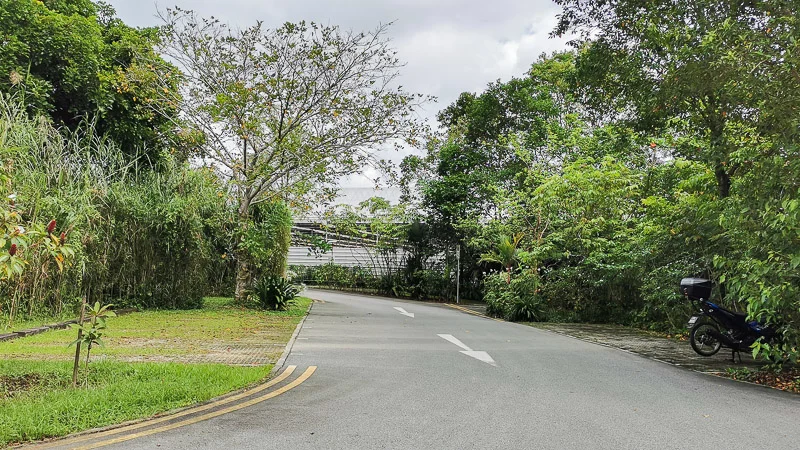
<point x="147" y="234"/>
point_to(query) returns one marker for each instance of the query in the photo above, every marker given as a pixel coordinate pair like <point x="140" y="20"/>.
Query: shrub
<point x="431" y="285"/>
<point x="268" y="239"/>
<point x="274" y="293"/>
<point x="498" y="295"/>
<point x="518" y="301"/>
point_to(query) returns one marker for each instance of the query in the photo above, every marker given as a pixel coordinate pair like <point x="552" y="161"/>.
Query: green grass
<point x="37" y="400"/>
<point x="116" y="392"/>
<point x="169" y="334"/>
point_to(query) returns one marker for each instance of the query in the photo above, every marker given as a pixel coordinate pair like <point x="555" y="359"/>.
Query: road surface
<point x="444" y="379"/>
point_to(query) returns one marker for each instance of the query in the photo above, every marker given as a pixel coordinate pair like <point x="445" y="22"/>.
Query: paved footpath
<point x="654" y="346"/>
<point x="403" y="375"/>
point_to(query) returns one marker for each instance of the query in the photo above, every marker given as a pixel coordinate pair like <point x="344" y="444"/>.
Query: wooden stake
<point x="78" y="344"/>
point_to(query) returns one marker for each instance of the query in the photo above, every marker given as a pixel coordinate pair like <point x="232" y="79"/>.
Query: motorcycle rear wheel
<point x="702" y="339"/>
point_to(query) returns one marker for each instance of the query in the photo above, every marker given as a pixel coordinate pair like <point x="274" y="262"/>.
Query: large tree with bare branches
<point x="281" y="112"/>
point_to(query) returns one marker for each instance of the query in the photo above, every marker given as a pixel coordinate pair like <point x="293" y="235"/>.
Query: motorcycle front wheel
<point x="703" y="340"/>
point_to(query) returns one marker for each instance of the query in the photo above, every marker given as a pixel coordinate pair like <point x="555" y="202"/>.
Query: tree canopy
<point x="663" y="146"/>
<point x="67" y="59"/>
<point x="282" y="111"/>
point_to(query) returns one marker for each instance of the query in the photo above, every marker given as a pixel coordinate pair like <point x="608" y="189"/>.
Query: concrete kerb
<point x="282" y="360"/>
<point x="55" y="326"/>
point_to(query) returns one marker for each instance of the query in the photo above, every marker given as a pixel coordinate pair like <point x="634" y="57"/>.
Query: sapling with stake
<point x="91" y="332"/>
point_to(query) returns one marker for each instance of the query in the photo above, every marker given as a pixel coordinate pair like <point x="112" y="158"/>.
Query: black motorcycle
<point x="715" y="327"/>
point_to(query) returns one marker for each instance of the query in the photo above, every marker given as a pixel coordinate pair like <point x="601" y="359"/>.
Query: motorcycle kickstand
<point x="733" y="356"/>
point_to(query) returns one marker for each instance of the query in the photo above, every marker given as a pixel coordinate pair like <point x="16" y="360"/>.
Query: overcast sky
<point x="450" y="46"/>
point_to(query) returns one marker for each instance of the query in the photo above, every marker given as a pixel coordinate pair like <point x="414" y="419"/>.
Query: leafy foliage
<point x="91" y="331"/>
<point x="711" y="77"/>
<point x="274" y="293"/>
<point x="519" y="300"/>
<point x="283" y="111"/>
<point x="68" y="59"/>
<point x="152" y="238"/>
<point x="267" y="240"/>
<point x="505" y="253"/>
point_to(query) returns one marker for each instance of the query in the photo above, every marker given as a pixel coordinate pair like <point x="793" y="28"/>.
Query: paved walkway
<point x="661" y="348"/>
<point x="253" y="351"/>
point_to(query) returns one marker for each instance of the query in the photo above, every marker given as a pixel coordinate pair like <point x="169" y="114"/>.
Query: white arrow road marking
<point x="480" y="356"/>
<point x="404" y="312"/>
<point x="454" y="340"/>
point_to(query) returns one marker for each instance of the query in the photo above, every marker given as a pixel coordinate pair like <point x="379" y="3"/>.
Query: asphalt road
<point x="389" y="381"/>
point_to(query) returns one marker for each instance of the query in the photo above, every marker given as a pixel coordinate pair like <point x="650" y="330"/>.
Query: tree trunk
<point x="243" y="263"/>
<point x="719" y="148"/>
<point x="78" y="342"/>
<point x="243" y="278"/>
<point x="723" y="181"/>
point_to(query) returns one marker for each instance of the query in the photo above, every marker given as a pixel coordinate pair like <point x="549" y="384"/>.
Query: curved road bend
<point x="386" y="380"/>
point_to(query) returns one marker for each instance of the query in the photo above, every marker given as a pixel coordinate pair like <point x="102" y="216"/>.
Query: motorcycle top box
<point x="697" y="288"/>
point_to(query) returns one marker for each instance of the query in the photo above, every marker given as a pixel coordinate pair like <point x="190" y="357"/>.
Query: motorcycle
<point x="714" y="327"/>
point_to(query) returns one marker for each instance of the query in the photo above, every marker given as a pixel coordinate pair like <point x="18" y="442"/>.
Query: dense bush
<point x="268" y="238"/>
<point x="152" y="237"/>
<point x="520" y="300"/>
<point x="157" y="238"/>
<point x="619" y="240"/>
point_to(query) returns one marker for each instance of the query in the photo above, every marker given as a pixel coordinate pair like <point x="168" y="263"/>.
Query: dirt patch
<point x="787" y="380"/>
<point x="14" y="385"/>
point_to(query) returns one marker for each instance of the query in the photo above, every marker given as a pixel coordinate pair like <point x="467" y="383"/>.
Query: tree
<point x="282" y="111"/>
<point x="67" y="59"/>
<point x="492" y="137"/>
<point x="716" y="73"/>
<point x="720" y="79"/>
<point x="505" y="253"/>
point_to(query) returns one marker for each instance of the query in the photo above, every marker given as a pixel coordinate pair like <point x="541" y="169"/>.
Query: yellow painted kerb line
<point x="193" y="420"/>
<point x="285" y="374"/>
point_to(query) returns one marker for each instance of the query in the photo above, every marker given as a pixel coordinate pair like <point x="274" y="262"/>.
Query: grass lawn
<point x="180" y="336"/>
<point x="37" y="400"/>
<point x="116" y="392"/>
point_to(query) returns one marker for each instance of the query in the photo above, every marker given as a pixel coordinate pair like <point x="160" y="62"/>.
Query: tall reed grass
<point x="147" y="234"/>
